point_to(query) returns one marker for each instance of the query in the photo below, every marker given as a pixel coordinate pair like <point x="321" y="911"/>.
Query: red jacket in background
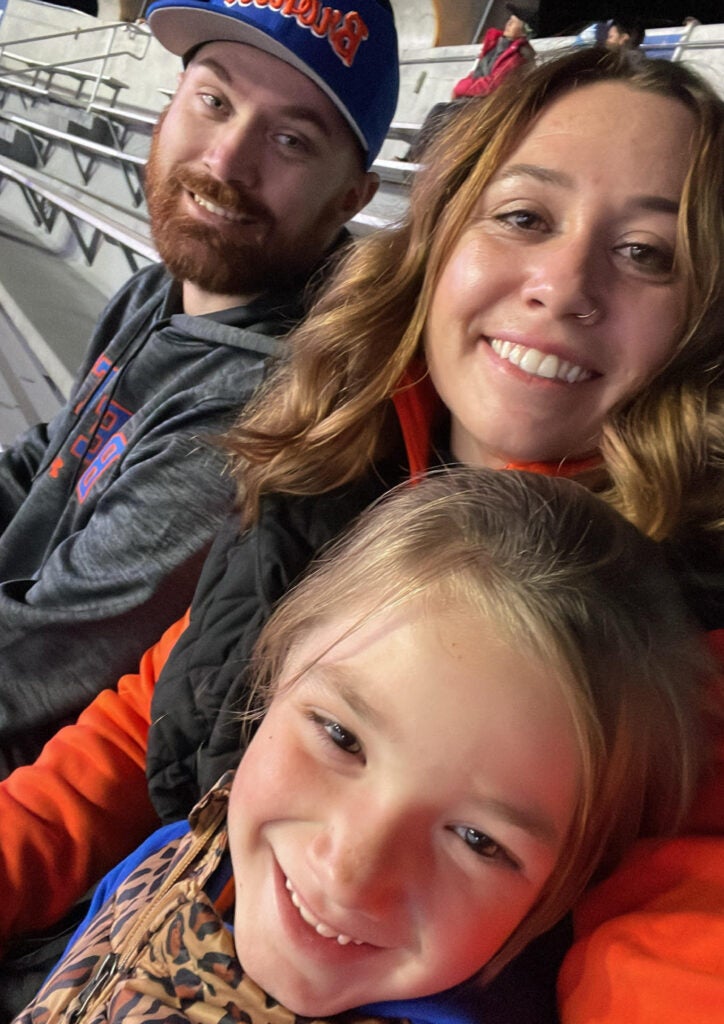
<point x="512" y="57"/>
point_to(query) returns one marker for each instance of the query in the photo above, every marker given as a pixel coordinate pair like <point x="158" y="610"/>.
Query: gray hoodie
<point x="106" y="513"/>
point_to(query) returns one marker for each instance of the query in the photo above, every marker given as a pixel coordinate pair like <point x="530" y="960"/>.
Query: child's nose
<point x="366" y="865"/>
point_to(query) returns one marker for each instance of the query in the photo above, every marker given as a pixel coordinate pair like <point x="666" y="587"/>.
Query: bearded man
<point x="107" y="512"/>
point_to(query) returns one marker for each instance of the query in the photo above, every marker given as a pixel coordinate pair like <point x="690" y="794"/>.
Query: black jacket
<point x="195" y="732"/>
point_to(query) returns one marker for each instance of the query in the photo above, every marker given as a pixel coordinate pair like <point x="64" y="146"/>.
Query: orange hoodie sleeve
<point x="82" y="805"/>
<point x="649" y="943"/>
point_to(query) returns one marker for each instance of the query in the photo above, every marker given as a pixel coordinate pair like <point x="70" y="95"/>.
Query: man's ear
<point x="359" y="194"/>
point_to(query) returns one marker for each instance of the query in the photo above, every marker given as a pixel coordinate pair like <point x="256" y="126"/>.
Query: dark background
<point x="566" y="17"/>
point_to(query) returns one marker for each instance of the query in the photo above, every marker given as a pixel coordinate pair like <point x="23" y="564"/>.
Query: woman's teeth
<point x="539" y="364"/>
<point x="220" y="211"/>
<point x="320" y="929"/>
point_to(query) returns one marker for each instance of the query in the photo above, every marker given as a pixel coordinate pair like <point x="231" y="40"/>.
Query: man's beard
<point x="215" y="259"/>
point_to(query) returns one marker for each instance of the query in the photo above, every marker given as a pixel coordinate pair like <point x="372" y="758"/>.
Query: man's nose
<point x="233" y="153"/>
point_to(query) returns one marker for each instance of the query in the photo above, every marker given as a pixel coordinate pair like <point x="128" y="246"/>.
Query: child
<point x="466" y="720"/>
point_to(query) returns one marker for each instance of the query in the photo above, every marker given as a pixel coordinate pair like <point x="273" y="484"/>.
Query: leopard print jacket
<point x="158" y="951"/>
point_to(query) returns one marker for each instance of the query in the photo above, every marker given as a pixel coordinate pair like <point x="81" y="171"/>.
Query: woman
<point x="558" y="287"/>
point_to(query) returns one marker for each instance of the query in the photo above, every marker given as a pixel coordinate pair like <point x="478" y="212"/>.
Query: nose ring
<point x="586" y="316"/>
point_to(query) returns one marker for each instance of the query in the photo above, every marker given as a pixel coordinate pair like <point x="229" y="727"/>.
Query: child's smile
<point x="320" y="928"/>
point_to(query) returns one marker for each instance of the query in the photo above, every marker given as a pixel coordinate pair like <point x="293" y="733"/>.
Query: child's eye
<point x="341" y="737"/>
<point x="483" y="844"/>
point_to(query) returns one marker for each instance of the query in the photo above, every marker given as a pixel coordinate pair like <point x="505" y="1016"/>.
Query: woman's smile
<point x="540" y="364"/>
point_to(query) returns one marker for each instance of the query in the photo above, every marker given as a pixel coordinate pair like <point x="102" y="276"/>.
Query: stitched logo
<point x="110" y="453"/>
<point x="101" y="374"/>
<point x="110" y="417"/>
<point x="344" y="32"/>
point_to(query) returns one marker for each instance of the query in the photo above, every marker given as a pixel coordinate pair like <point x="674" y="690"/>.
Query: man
<point x="501" y="52"/>
<point x="624" y="35"/>
<point x="106" y="513"/>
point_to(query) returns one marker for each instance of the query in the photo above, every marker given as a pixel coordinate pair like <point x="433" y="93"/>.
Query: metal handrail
<point x="44" y="195"/>
<point x="130" y="29"/>
<point x="678" y="45"/>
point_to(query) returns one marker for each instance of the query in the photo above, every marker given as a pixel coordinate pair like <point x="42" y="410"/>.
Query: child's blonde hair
<point x="321" y="420"/>
<point x="565" y="578"/>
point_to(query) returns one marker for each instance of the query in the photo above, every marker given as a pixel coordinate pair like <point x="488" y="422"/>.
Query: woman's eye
<point x="341" y="737"/>
<point x="649" y="258"/>
<point x="525" y="220"/>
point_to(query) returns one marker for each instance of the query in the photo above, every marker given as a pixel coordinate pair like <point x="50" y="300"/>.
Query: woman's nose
<point x="565" y="278"/>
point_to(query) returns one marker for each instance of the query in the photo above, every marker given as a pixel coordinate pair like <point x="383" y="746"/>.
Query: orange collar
<point x="417" y="404"/>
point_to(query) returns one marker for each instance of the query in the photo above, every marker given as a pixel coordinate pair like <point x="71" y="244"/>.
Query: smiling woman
<point x="558" y="285"/>
<point x="559" y="299"/>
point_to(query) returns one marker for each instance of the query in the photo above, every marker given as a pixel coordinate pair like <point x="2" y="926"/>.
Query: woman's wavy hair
<point x="320" y="420"/>
<point x="566" y="579"/>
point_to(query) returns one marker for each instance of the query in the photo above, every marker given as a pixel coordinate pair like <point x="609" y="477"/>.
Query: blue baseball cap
<point x="349" y="50"/>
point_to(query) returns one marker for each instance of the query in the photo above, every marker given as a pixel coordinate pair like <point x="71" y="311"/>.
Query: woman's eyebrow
<point x="654" y="203"/>
<point x="544" y="174"/>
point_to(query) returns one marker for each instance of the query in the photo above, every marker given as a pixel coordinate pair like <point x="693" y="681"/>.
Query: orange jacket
<point x="649" y="941"/>
<point x="68" y="818"/>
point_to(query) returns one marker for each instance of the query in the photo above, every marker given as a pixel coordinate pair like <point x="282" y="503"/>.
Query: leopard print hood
<point x="158" y="950"/>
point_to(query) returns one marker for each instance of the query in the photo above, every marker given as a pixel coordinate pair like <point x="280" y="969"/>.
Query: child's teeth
<point x="321" y="929"/>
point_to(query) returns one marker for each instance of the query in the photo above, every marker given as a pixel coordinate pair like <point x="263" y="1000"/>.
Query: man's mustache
<point x="233" y="198"/>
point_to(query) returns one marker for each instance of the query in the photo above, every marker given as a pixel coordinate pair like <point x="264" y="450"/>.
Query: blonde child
<point x="465" y="721"/>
